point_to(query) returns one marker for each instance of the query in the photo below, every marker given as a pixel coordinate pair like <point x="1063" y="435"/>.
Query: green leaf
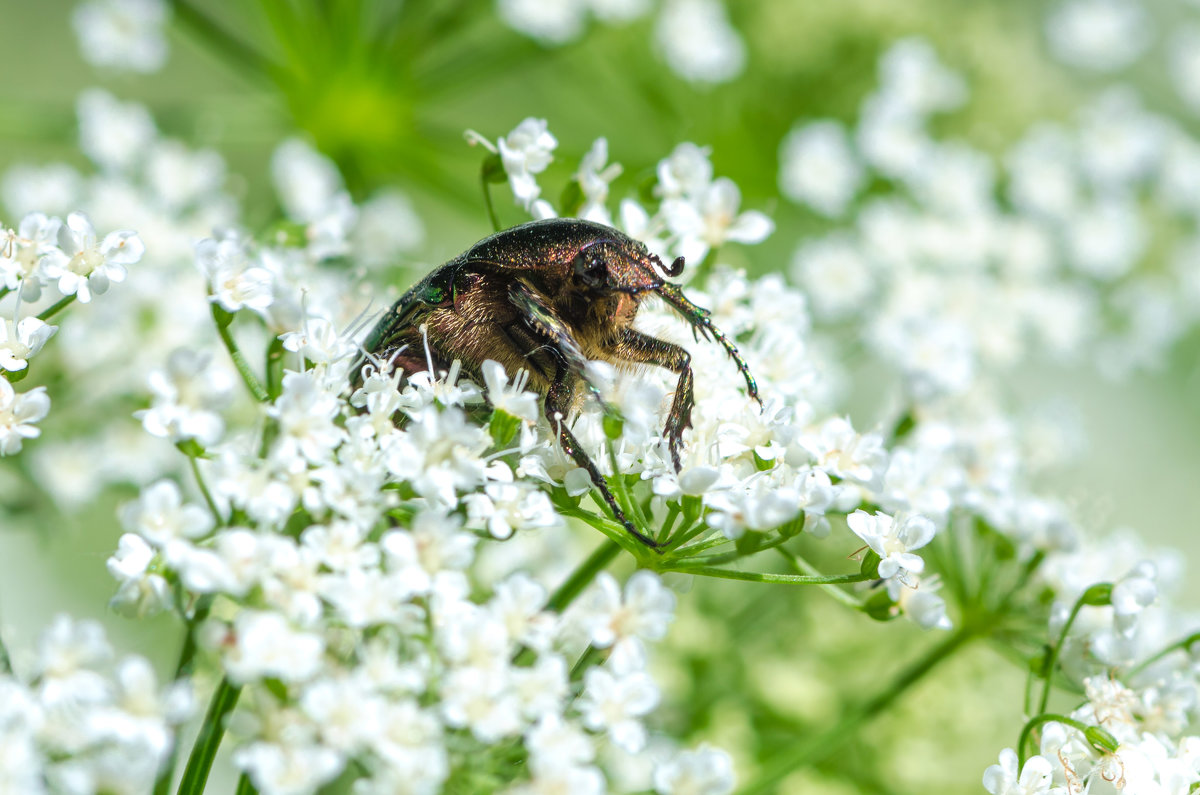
<point x="880" y="606"/>
<point x="503" y="427"/>
<point x="1098" y="595"/>
<point x="614" y="424"/>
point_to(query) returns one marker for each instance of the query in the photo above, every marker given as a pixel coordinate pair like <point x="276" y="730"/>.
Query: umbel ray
<point x="548" y="296"/>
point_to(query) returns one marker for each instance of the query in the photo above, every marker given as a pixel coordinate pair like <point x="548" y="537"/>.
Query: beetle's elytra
<point x="548" y="296"/>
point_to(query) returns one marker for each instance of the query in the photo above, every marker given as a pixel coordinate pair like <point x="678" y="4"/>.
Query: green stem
<point x="239" y="359"/>
<point x="1052" y="659"/>
<point x="1027" y="731"/>
<point x="187" y="654"/>
<point x="274" y="368"/>
<point x="245" y="786"/>
<point x="5" y="660"/>
<point x="584" y="573"/>
<point x="199" y="763"/>
<point x="200" y="484"/>
<point x="1180" y="645"/>
<point x="487" y="200"/>
<point x="244" y="58"/>
<point x="824" y="744"/>
<point x="56" y="307"/>
<point x="589" y="656"/>
<point x="754" y="576"/>
<point x="804" y="567"/>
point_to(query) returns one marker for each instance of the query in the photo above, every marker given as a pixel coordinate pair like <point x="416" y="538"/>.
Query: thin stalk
<point x="5" y="660"/>
<point x="1052" y="660"/>
<point x="590" y="654"/>
<point x="804" y="567"/>
<point x="584" y="573"/>
<point x="487" y="201"/>
<point x="245" y="786"/>
<point x="1179" y="645"/>
<point x="826" y="743"/>
<point x="187" y="654"/>
<point x="239" y="359"/>
<point x="754" y="576"/>
<point x="1048" y="717"/>
<point x="200" y="484"/>
<point x="199" y="763"/>
<point x="56" y="307"/>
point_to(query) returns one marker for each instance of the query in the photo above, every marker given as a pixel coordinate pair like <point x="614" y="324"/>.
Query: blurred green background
<point x="387" y="90"/>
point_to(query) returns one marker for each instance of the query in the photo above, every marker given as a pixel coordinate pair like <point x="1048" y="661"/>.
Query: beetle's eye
<point x="590" y="268"/>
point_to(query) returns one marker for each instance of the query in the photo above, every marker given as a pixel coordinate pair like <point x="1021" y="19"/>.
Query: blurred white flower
<point x="1098" y="35"/>
<point x="188" y="396"/>
<point x="122" y="34"/>
<point x="817" y="167"/>
<point x="115" y="135"/>
<point x="18" y="413"/>
<point x="703" y="771"/>
<point x="698" y="43"/>
<point x="548" y="21"/>
<point x="713" y="220"/>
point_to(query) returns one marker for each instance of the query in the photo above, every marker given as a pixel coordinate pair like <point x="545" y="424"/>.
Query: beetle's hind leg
<point x="633" y="346"/>
<point x="558" y="402"/>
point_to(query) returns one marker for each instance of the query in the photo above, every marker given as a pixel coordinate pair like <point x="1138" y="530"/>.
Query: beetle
<point x="548" y="296"/>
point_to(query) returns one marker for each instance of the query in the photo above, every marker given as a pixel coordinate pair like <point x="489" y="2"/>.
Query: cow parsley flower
<point x="18" y="413"/>
<point x="893" y="539"/>
<point x="21" y="340"/>
<point x="86" y="264"/>
<point x="698" y="42"/>
<point x="817" y="167"/>
<point x="526" y="151"/>
<point x="123" y="34"/>
<point x="1098" y="35"/>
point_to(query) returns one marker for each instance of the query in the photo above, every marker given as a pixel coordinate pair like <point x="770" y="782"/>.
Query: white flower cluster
<point x="1137" y="748"/>
<point x="40" y="252"/>
<point x="965" y="269"/>
<point x="359" y="635"/>
<point x="123" y="35"/>
<point x="173" y="195"/>
<point x="79" y="721"/>
<point x="695" y="36"/>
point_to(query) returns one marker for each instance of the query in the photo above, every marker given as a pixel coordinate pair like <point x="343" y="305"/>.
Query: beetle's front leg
<point x="701" y="319"/>
<point x="633" y="346"/>
<point x="558" y="402"/>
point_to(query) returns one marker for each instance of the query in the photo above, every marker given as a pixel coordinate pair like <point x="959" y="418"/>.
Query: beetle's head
<point x="621" y="266"/>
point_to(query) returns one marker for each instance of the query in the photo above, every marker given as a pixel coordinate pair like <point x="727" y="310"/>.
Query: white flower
<point x="235" y="281"/>
<point x="291" y="769"/>
<point x="1185" y="65"/>
<point x="916" y="82"/>
<point x="266" y="646"/>
<point x="1100" y="35"/>
<point x="622" y="621"/>
<point x="526" y="151"/>
<point x="548" y="21"/>
<point x="817" y="167"/>
<point x="18" y="413"/>
<point x="841" y="451"/>
<point x="21" y="340"/>
<point x="87" y="265"/>
<point x="482" y="700"/>
<point x="513" y="399"/>
<point x="306" y="181"/>
<point x="115" y="135"/>
<point x="23" y="254"/>
<point x="1132" y="594"/>
<point x="160" y="517"/>
<point x="188" y="396"/>
<point x="614" y="703"/>
<point x="713" y="220"/>
<point x="704" y="771"/>
<point x="835" y="275"/>
<point x="593" y="177"/>
<point x="388" y="226"/>
<point x="1036" y="778"/>
<point x="122" y="34"/>
<point x="892" y="539"/>
<point x="698" y="42"/>
<point x="685" y="173"/>
<point x="182" y="177"/>
<point x="140" y="593"/>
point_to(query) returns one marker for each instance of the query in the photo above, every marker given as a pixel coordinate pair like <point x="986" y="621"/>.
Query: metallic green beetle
<point x="548" y="296"/>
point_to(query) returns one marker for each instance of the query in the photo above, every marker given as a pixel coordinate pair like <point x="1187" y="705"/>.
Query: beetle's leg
<point x="558" y="402"/>
<point x="633" y="346"/>
<point x="701" y="319"/>
<point x="542" y="319"/>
